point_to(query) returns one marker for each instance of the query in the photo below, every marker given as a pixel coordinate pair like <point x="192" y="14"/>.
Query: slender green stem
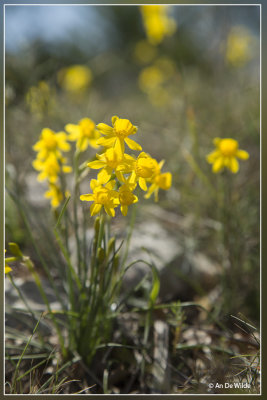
<point x="129" y="235"/>
<point x="75" y="209"/>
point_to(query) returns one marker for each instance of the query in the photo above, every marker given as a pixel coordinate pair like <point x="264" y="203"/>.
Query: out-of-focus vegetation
<point x="182" y="89"/>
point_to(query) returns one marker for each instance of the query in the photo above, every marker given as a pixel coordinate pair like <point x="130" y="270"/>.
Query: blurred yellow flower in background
<point x="50" y="167"/>
<point x="226" y="155"/>
<point x="144" y="52"/>
<point x="75" y="78"/>
<point x="85" y="134"/>
<point x="56" y="195"/>
<point x="150" y="78"/>
<point x="157" y="23"/>
<point x="51" y="141"/>
<point x="153" y="80"/>
<point x="238" y="46"/>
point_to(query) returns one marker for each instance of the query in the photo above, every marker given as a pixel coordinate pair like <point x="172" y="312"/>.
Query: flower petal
<point x="124" y="210"/>
<point x="107" y="142"/>
<point x="93" y="184"/>
<point x="242" y="154"/>
<point x="95" y="208"/>
<point x="73" y="130"/>
<point x="218" y="165"/>
<point x="104" y="175"/>
<point x="233" y="165"/>
<point x="66" y="169"/>
<point x="93" y="143"/>
<point x="142" y="184"/>
<point x="104" y="128"/>
<point x="114" y="119"/>
<point x="132" y="144"/>
<point x="109" y="210"/>
<point x="87" y="197"/>
<point x="96" y="164"/>
<point x="119" y="147"/>
<point x="211" y="157"/>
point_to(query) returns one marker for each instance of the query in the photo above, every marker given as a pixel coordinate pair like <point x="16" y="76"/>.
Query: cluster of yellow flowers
<point x="51" y="163"/>
<point x="121" y="173"/>
<point x="157" y="23"/>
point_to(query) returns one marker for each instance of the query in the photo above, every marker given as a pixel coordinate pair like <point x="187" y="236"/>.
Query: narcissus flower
<point x="238" y="46"/>
<point x="159" y="181"/>
<point x="50" y="167"/>
<point x="118" y="134"/>
<point x="226" y="155"/>
<point x="56" y="195"/>
<point x="85" y="134"/>
<point x="102" y="196"/>
<point x="75" y="78"/>
<point x="51" y="141"/>
<point x="126" y="197"/>
<point x="110" y="161"/>
<point x="144" y="169"/>
<point x="150" y="78"/>
<point x="157" y="23"/>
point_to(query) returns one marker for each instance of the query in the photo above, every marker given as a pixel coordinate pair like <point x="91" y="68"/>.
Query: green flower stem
<point x="75" y="209"/>
<point x="66" y="213"/>
<point x="129" y="235"/>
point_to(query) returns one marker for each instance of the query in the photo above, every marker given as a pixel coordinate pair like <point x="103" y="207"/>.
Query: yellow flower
<point x="85" y="134"/>
<point x="126" y="197"/>
<point x="75" y="78"/>
<point x="144" y="169"/>
<point x="150" y="78"/>
<point x="55" y="194"/>
<point x="7" y="267"/>
<point x="102" y="196"/>
<point x="226" y="155"/>
<point x="144" y="52"/>
<point x="157" y="23"/>
<point x="118" y="134"/>
<point x="109" y="162"/>
<point x="159" y="181"/>
<point x="50" y="167"/>
<point x="51" y="142"/>
<point x="238" y="47"/>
